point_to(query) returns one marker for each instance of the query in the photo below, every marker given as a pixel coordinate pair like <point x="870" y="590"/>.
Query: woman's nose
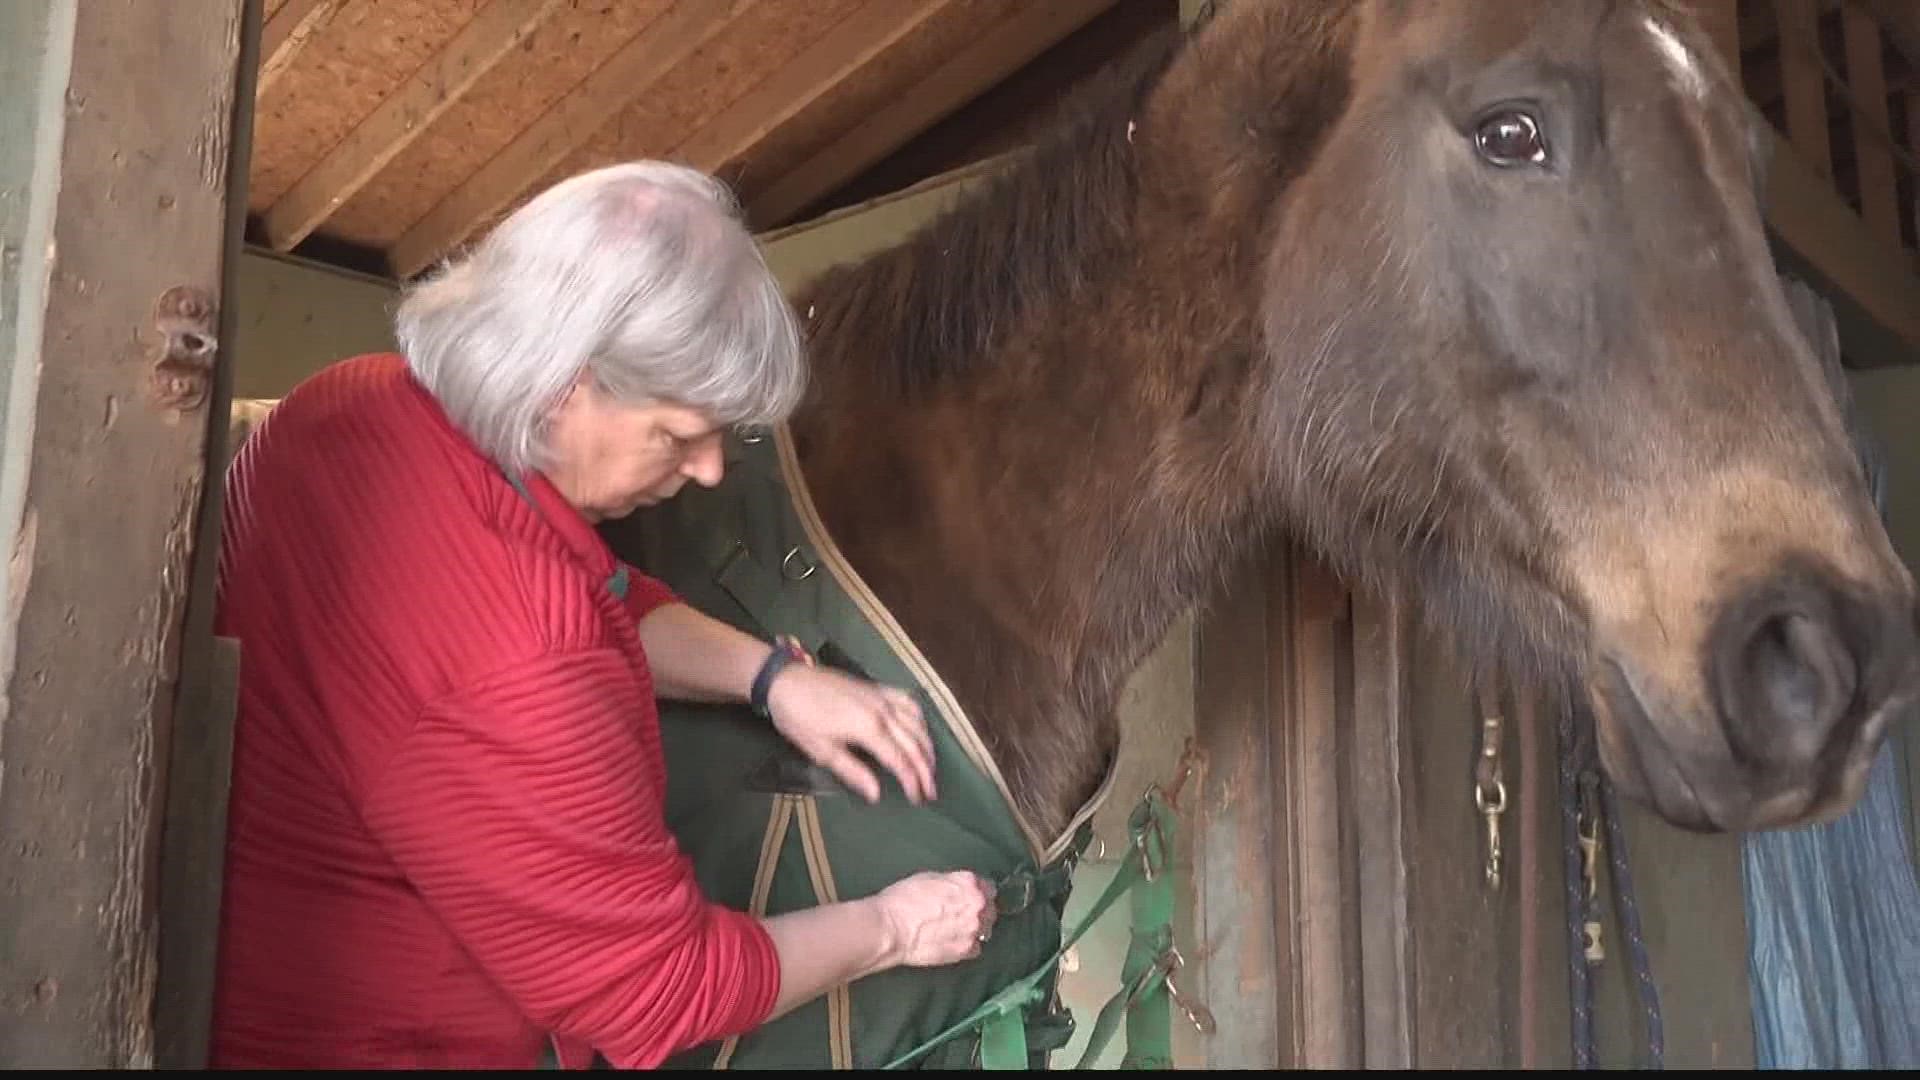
<point x="705" y="464"/>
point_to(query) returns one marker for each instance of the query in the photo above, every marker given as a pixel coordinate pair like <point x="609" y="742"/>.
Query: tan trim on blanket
<point x="813" y="842"/>
<point x="916" y="662"/>
<point x="770" y="844"/>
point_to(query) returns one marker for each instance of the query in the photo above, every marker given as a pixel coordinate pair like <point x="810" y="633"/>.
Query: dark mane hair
<point x="1057" y="213"/>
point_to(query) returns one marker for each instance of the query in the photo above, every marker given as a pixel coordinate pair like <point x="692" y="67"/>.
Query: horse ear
<point x="1822" y="330"/>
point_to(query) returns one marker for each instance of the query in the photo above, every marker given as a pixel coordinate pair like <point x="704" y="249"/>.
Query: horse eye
<point x="1511" y="138"/>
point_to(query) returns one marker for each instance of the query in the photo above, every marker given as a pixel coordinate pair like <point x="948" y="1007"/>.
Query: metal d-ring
<point x="787" y="566"/>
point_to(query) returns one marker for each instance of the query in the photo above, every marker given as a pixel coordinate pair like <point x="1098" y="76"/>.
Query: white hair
<point x="641" y="275"/>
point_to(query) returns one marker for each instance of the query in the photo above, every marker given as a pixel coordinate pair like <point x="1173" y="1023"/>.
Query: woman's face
<point x="610" y="458"/>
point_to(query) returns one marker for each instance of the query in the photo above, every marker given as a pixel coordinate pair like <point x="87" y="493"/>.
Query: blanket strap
<point x="1147" y="974"/>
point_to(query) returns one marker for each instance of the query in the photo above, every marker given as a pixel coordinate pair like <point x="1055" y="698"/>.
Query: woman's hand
<point x="936" y="918"/>
<point x="825" y="714"/>
<point x="928" y="920"/>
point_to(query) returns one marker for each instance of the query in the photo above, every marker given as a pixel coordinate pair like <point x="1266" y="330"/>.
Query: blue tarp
<point x="1833" y="916"/>
<point x="1833" y="911"/>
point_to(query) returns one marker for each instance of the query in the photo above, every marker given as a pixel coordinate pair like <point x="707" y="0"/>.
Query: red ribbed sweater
<point x="445" y="829"/>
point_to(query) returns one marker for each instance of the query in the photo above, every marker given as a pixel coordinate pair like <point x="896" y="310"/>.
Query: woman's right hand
<point x="936" y="918"/>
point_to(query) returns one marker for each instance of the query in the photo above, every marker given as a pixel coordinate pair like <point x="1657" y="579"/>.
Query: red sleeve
<point x="524" y="809"/>
<point x="644" y="594"/>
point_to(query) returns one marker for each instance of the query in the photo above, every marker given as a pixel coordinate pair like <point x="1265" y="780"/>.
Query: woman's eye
<point x="1511" y="138"/>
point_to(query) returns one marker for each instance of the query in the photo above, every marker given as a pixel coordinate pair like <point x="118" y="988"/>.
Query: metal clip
<point x="1490" y="810"/>
<point x="1151" y="827"/>
<point x="1490" y="793"/>
<point x="1197" y="1014"/>
<point x="1589" y="831"/>
<point x="1590" y="857"/>
<point x="1168" y="963"/>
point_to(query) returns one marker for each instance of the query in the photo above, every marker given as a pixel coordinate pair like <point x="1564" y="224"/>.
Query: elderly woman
<point x="446" y="841"/>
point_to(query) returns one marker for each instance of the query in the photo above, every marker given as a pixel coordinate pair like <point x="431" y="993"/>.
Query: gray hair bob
<point x="641" y="275"/>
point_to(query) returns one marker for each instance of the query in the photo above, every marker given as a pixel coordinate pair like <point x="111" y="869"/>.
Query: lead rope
<point x="1629" y="911"/>
<point x="1579" y="984"/>
<point x="1586" y="796"/>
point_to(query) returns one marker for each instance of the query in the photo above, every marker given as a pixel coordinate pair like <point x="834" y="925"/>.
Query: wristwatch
<point x="786" y="650"/>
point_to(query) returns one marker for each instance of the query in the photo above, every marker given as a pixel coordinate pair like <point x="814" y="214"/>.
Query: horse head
<point x="1525" y="344"/>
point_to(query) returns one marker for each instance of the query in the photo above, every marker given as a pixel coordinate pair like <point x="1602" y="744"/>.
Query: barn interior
<point x="1334" y="909"/>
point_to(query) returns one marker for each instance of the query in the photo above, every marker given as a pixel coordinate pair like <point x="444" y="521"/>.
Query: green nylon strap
<point x="1003" y="1042"/>
<point x="1151" y="958"/>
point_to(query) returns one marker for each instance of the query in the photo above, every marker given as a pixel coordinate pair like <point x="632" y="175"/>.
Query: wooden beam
<point x="1872" y="127"/>
<point x="1386" y="853"/>
<point x="849" y="46"/>
<point x="1760" y="26"/>
<point x="199" y="766"/>
<point x="1900" y="21"/>
<point x="403" y="117"/>
<point x="1809" y="216"/>
<point x="1913" y="144"/>
<point x="1721" y="21"/>
<point x="1004" y="49"/>
<point x="1244" y="910"/>
<point x="104" y="467"/>
<point x="571" y="121"/>
<point x="1806" y="87"/>
<point x="1314" y="611"/>
<point x="289" y="31"/>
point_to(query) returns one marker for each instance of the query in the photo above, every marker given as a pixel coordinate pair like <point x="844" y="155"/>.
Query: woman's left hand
<point x="825" y="714"/>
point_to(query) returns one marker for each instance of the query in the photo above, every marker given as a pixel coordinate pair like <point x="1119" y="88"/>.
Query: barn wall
<point x="297" y="317"/>
<point x="32" y="75"/>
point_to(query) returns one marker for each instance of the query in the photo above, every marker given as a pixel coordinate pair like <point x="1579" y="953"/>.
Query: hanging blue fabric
<point x="1833" y="922"/>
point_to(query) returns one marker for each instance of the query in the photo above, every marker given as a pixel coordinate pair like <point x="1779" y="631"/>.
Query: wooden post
<point x="129" y="138"/>
<point x="1242" y="869"/>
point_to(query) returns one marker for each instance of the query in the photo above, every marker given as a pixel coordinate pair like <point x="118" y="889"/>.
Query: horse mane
<point x="1053" y="215"/>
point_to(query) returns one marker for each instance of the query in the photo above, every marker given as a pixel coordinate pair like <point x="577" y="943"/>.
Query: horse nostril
<point x="1793" y="682"/>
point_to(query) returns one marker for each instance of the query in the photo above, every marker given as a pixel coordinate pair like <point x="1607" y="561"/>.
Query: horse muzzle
<point x="1803" y="676"/>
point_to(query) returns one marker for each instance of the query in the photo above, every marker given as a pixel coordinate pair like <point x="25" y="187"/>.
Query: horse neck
<point x="1029" y="428"/>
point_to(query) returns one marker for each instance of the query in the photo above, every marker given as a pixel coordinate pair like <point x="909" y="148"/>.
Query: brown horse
<point x="1473" y="298"/>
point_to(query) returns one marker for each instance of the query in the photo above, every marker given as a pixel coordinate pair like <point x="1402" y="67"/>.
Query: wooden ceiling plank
<point x="571" y="121"/>
<point x="499" y="28"/>
<point x="996" y="55"/>
<point x="858" y="39"/>
<point x="284" y="35"/>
